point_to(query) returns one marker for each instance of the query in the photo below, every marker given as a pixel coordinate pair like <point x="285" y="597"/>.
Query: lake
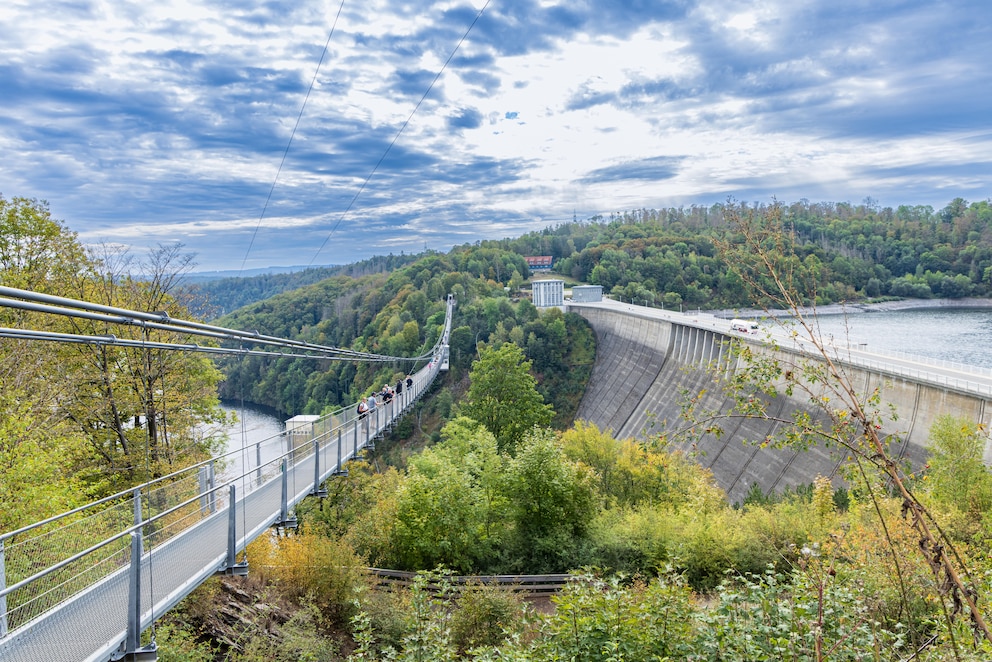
<point x="956" y="335"/>
<point x="255" y="424"/>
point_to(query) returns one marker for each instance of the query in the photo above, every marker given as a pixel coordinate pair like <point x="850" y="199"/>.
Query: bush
<point x="804" y="616"/>
<point x="486" y="615"/>
<point x="602" y="619"/>
<point x="313" y="568"/>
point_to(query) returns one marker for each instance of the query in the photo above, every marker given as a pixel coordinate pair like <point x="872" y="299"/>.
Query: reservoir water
<point x="961" y="336"/>
<point x="255" y="425"/>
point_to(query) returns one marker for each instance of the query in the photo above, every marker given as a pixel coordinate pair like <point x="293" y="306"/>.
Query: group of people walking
<point x="385" y="394"/>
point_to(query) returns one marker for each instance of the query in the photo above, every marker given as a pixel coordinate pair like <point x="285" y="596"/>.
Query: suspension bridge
<point x="85" y="585"/>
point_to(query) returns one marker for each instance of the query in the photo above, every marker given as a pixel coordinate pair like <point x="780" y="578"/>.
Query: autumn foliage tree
<point x="81" y="420"/>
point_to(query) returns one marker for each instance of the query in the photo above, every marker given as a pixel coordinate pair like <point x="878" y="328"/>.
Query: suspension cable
<point x="396" y="137"/>
<point x="292" y="135"/>
<point x="45" y="303"/>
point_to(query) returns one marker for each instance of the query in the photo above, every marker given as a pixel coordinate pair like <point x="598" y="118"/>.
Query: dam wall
<point x="647" y="361"/>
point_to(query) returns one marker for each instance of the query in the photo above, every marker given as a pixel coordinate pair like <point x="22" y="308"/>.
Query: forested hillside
<point x="671" y="256"/>
<point x="401" y="314"/>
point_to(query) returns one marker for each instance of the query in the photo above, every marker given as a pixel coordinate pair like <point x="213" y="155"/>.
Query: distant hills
<point x="216" y="293"/>
<point x="198" y="277"/>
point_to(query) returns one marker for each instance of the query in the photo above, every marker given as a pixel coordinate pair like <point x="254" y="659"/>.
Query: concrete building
<point x="548" y="293"/>
<point x="587" y="293"/>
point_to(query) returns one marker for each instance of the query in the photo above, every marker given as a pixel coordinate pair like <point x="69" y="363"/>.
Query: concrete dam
<point x="646" y="359"/>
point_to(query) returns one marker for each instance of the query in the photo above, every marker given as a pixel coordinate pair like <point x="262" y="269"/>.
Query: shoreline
<point x="974" y="303"/>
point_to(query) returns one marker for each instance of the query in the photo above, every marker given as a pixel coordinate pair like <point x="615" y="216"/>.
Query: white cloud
<point x="145" y="122"/>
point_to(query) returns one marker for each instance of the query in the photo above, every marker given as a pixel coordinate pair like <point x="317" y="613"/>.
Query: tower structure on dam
<point x="647" y="360"/>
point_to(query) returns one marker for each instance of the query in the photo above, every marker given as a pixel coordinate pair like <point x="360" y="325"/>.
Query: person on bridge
<point x="409" y="382"/>
<point x="370" y="407"/>
<point x="399" y="387"/>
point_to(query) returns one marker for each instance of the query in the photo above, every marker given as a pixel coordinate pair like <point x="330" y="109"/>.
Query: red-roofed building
<point x="539" y="262"/>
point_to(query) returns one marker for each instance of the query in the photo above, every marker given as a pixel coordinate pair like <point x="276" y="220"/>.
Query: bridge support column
<point x="3" y="598"/>
<point x="233" y="567"/>
<point x="132" y="650"/>
<point x="285" y="521"/>
<point x="316" y="491"/>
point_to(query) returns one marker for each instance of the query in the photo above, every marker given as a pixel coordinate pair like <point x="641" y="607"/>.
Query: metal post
<point x="3" y="598"/>
<point x="134" y="595"/>
<point x="232" y="530"/>
<point x="317" y="492"/>
<point x="133" y="650"/>
<point x="232" y="567"/>
<point x="354" y="454"/>
<point x="204" y="484"/>
<point x="213" y="493"/>
<point x="284" y="511"/>
<point x="316" y="465"/>
<point x="258" y="463"/>
<point x="339" y="450"/>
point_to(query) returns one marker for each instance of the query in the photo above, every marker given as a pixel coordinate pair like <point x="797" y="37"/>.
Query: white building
<point x="300" y="428"/>
<point x="548" y="293"/>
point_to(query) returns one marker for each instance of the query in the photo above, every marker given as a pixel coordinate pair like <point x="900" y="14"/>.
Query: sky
<point x="228" y="127"/>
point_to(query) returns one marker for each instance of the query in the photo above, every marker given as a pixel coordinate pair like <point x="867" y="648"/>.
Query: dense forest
<point x="220" y="296"/>
<point x="672" y="256"/>
<point x="401" y="314"/>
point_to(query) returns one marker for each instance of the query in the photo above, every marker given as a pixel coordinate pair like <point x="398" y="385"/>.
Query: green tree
<point x="957" y="473"/>
<point x="553" y="500"/>
<point x="37" y="252"/>
<point x="503" y="396"/>
<point x="38" y="471"/>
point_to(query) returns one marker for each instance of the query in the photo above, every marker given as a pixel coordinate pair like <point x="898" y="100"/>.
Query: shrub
<point x="603" y="619"/>
<point x="310" y="567"/>
<point x="486" y="615"/>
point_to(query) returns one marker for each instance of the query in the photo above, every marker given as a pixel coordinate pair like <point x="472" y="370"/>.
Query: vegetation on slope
<point x="402" y="315"/>
<point x="670" y="256"/>
<point x="82" y="421"/>
<point x="679" y="572"/>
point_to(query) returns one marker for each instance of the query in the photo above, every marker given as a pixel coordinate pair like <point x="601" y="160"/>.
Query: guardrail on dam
<point x="646" y="358"/>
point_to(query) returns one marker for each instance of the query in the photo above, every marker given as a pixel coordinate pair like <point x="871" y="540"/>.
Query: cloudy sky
<point x="430" y="125"/>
